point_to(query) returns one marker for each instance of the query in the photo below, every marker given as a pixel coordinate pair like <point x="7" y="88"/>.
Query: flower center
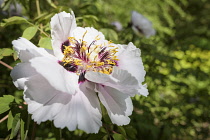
<point x="81" y="56"/>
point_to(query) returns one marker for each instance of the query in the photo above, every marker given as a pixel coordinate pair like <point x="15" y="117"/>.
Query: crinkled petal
<point x="119" y="105"/>
<point x="71" y="111"/>
<point x="119" y="79"/>
<point x="58" y="77"/>
<point x="27" y="50"/>
<point x="62" y="25"/>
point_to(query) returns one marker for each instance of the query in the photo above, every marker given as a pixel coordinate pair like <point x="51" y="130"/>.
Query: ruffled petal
<point x="20" y="74"/>
<point x="71" y="111"/>
<point x="143" y="90"/>
<point x="58" y="77"/>
<point x="119" y="105"/>
<point x="62" y="25"/>
<point x="27" y="50"/>
<point x="130" y="59"/>
<point x="119" y="79"/>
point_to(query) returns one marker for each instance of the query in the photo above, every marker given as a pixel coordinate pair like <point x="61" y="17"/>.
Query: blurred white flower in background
<point x="67" y="84"/>
<point x="117" y="25"/>
<point x="14" y="9"/>
<point x="141" y="25"/>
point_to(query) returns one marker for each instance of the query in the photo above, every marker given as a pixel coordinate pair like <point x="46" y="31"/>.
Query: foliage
<point x="176" y="60"/>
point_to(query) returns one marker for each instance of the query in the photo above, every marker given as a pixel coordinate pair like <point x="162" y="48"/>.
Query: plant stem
<point x="39" y="13"/>
<point x="6" y="65"/>
<point x="38" y="8"/>
<point x="33" y="131"/>
<point x="3" y="118"/>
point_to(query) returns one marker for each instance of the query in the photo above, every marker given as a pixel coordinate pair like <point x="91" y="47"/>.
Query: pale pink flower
<point x="65" y="85"/>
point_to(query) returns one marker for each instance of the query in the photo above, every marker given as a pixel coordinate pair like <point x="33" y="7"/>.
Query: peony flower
<point x="117" y="25"/>
<point x="141" y="24"/>
<point x="65" y="84"/>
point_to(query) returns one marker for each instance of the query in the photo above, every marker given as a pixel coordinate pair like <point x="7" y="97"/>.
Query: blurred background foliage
<point x="177" y="61"/>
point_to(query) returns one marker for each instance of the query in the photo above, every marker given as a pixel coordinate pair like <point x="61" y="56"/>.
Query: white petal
<point x="43" y="99"/>
<point x="143" y="90"/>
<point x="27" y="50"/>
<point x="118" y="79"/>
<point x="89" y="34"/>
<point x="72" y="111"/>
<point x="58" y="77"/>
<point x="130" y="60"/>
<point x="119" y="106"/>
<point x="62" y="25"/>
<point x="83" y="111"/>
<point x="20" y="73"/>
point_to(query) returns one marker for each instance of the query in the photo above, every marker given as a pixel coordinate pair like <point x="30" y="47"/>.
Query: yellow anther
<point x="99" y="64"/>
<point x="110" y="41"/>
<point x="83" y="48"/>
<point x="97" y="37"/>
<point x="71" y="38"/>
<point x="78" y="62"/>
<point x="111" y="62"/>
<point x="105" y="71"/>
<point x="84" y="34"/>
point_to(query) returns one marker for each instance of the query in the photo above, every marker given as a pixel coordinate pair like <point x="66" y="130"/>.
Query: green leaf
<point x="122" y="130"/>
<point x="131" y="132"/>
<point x="98" y="136"/>
<point x="109" y="34"/>
<point x="13" y="20"/>
<point x="30" y="32"/>
<point x="15" y="126"/>
<point x="5" y="102"/>
<point x="118" y="137"/>
<point x="45" y="42"/>
<point x="22" y="130"/>
<point x="51" y="3"/>
<point x="6" y="52"/>
<point x="57" y="132"/>
<point x="5" y="5"/>
<point x="10" y="120"/>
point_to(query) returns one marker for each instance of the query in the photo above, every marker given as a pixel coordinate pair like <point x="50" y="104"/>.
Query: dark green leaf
<point x="118" y="137"/>
<point x="122" y="130"/>
<point x="131" y="132"/>
<point x="96" y="136"/>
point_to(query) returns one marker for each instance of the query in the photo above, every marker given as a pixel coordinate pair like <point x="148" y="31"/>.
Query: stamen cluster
<point x="79" y="56"/>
